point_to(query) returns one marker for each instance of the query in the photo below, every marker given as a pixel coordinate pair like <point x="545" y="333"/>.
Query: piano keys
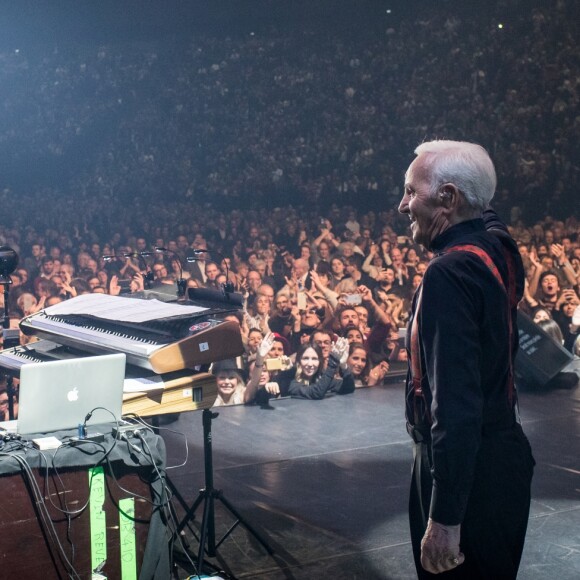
<point x="145" y="393"/>
<point x="108" y="324"/>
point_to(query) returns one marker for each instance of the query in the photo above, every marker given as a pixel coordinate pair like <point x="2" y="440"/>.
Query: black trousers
<point x="494" y="528"/>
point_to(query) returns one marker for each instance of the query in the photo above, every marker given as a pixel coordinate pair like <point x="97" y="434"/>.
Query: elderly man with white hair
<point x="470" y="492"/>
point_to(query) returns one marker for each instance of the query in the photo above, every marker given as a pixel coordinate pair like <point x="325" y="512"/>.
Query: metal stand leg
<point x="209" y="495"/>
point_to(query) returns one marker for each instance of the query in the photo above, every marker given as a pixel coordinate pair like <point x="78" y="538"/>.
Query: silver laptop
<point x="58" y="395"/>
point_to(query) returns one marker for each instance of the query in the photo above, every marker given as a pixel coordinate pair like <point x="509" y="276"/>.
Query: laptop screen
<point x="58" y="395"/>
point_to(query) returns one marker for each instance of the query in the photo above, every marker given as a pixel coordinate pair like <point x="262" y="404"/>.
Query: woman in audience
<point x="313" y="381"/>
<point x="337" y="272"/>
<point x="360" y="366"/>
<point x="231" y="389"/>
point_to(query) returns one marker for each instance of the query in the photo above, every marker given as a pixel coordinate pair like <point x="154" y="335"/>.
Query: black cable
<point x="142" y="421"/>
<point x="45" y="519"/>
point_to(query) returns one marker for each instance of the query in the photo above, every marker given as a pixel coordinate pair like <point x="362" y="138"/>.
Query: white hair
<point x="465" y="165"/>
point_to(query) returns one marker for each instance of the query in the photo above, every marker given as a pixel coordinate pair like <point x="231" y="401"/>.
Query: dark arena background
<point x="134" y="135"/>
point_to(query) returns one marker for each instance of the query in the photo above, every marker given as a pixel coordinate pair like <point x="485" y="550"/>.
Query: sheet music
<point x="143" y="384"/>
<point x="121" y="309"/>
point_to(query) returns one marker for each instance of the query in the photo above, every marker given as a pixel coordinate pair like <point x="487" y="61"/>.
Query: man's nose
<point x="404" y="205"/>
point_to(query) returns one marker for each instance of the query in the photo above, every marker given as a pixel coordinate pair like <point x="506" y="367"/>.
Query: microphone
<point x="148" y="275"/>
<point x="228" y="287"/>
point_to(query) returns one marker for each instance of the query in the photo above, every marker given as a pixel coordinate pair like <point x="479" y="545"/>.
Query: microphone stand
<point x="148" y="275"/>
<point x="181" y="283"/>
<point x="228" y="287"/>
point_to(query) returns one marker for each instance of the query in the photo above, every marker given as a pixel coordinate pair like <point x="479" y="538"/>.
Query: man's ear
<point x="448" y="193"/>
<point x="451" y="198"/>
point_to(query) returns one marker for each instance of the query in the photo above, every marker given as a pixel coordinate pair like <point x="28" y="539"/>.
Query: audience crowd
<point x="326" y="298"/>
<point x="283" y="153"/>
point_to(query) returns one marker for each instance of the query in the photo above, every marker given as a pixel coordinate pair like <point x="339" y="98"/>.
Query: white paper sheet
<point x="119" y="308"/>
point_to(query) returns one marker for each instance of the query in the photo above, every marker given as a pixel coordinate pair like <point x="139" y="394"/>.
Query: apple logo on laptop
<point x="73" y="395"/>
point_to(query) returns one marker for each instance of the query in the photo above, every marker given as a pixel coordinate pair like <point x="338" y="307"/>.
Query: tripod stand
<point x="209" y="495"/>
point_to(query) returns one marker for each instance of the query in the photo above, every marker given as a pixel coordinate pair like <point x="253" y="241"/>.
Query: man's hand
<point x="440" y="548"/>
<point x="365" y="293"/>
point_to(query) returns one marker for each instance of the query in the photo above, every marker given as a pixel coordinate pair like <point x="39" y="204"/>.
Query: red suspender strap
<point x="416" y="367"/>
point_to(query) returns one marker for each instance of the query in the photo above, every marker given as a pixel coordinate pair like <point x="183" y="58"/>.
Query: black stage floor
<point x="326" y="483"/>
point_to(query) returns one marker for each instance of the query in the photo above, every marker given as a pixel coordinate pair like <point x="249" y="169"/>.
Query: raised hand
<point x="340" y="350"/>
<point x="266" y="345"/>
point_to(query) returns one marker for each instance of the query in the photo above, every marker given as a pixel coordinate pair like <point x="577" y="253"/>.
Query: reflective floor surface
<point x="325" y="484"/>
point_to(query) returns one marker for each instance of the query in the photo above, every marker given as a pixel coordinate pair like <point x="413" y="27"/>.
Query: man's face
<point x="182" y="242"/>
<point x="262" y="304"/>
<point x="347" y="250"/>
<point x="160" y="271"/>
<point x="323" y="250"/>
<point x="397" y="257"/>
<point x="424" y="210"/>
<point x="283" y="305"/>
<point x="324" y="342"/>
<point x="363" y="314"/>
<point x="388" y="276"/>
<point x="349" y="318"/>
<point x="550" y="286"/>
<point x="48" y="267"/>
<point x="254" y="280"/>
<point x="267" y="291"/>
<point x="300" y="267"/>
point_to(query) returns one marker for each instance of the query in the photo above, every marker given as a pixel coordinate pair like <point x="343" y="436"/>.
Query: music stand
<point x="209" y="495"/>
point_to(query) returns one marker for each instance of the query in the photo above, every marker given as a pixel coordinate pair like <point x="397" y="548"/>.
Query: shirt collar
<point x="449" y="236"/>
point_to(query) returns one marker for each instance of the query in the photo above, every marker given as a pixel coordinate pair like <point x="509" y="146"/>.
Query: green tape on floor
<point x="127" y="533"/>
<point x="98" y="518"/>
